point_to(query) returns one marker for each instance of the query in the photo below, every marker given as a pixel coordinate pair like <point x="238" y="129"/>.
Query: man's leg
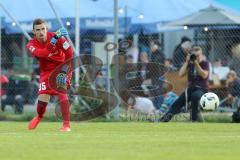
<point x="195" y="97"/>
<point x="157" y="101"/>
<point x="64" y="107"/>
<point x="19" y="101"/>
<point x="43" y="100"/>
<point x="158" y="98"/>
<point x="7" y="100"/>
<point x="175" y="108"/>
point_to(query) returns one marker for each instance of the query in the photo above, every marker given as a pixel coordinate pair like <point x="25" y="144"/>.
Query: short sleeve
<point x="205" y="65"/>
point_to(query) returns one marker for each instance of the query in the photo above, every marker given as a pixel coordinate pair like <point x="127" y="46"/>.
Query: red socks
<point x="64" y="107"/>
<point x="41" y="108"/>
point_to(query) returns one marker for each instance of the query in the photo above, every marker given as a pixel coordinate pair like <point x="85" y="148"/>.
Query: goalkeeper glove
<point x="61" y="79"/>
<point x="61" y="32"/>
<point x="58" y="34"/>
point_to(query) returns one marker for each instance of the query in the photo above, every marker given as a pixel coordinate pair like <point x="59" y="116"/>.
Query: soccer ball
<point x="209" y="101"/>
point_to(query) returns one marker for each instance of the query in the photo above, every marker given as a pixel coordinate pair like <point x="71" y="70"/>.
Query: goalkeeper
<point x="51" y="50"/>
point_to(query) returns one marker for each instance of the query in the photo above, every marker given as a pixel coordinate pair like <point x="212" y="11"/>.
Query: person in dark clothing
<point x="158" y="57"/>
<point x="233" y="85"/>
<point x="197" y="70"/>
<point x="181" y="51"/>
<point x="15" y="94"/>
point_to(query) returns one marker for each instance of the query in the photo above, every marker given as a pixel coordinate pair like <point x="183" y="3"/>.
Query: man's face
<point x="40" y="31"/>
<point x="153" y="46"/>
<point x="230" y="78"/>
<point x="167" y="63"/>
<point x="199" y="56"/>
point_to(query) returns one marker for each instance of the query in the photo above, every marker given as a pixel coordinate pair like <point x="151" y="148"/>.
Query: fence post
<point x="117" y="109"/>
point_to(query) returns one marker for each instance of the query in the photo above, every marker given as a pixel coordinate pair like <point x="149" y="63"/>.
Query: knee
<point x="44" y="97"/>
<point x="18" y="98"/>
<point x="196" y="96"/>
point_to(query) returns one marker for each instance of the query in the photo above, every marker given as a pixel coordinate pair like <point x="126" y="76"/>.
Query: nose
<point x="42" y="32"/>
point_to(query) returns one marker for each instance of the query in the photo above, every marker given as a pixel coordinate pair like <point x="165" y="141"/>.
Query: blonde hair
<point x="232" y="73"/>
<point x="197" y="49"/>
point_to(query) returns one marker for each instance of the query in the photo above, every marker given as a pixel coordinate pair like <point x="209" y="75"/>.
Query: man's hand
<point x="58" y="34"/>
<point x="61" y="80"/>
<point x="230" y="98"/>
<point x="188" y="58"/>
<point x="196" y="62"/>
<point x="61" y="32"/>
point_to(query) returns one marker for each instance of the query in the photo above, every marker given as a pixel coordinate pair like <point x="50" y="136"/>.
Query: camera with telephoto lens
<point x="193" y="57"/>
<point x="191" y="66"/>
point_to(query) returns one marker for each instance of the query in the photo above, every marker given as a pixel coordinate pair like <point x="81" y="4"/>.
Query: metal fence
<point x="220" y="44"/>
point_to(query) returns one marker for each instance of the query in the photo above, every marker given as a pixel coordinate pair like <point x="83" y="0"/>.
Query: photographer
<point x="197" y="70"/>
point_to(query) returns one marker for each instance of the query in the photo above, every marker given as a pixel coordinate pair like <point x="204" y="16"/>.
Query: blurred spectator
<point x="16" y="92"/>
<point x="144" y="59"/>
<point x="158" y="57"/>
<point x="234" y="63"/>
<point x="169" y="64"/>
<point x="169" y="99"/>
<point x="219" y="70"/>
<point x="10" y="54"/>
<point x="5" y="59"/>
<point x="181" y="51"/>
<point x="143" y="43"/>
<point x="233" y="84"/>
<point x="133" y="50"/>
<point x="144" y="53"/>
<point x="130" y="59"/>
<point x="4" y="81"/>
<point x="33" y="88"/>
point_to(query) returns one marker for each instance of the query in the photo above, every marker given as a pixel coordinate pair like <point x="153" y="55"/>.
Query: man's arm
<point x="144" y="57"/>
<point x="66" y="47"/>
<point x="39" y="52"/>
<point x="183" y="69"/>
<point x="203" y="72"/>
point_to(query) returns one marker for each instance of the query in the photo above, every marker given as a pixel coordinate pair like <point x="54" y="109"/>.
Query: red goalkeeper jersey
<point x="49" y="58"/>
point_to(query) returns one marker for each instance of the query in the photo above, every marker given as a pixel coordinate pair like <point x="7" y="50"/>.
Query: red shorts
<point x="47" y="85"/>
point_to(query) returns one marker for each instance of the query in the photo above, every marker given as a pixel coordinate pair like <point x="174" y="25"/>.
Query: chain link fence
<point x="167" y="49"/>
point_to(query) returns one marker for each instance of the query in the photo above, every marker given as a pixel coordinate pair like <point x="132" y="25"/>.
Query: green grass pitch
<point x="120" y="141"/>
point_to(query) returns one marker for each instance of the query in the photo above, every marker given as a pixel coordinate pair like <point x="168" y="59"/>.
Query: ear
<point x="33" y="32"/>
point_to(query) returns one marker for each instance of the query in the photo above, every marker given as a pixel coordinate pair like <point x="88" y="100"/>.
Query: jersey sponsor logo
<point x="66" y="45"/>
<point x="32" y="49"/>
<point x="52" y="54"/>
